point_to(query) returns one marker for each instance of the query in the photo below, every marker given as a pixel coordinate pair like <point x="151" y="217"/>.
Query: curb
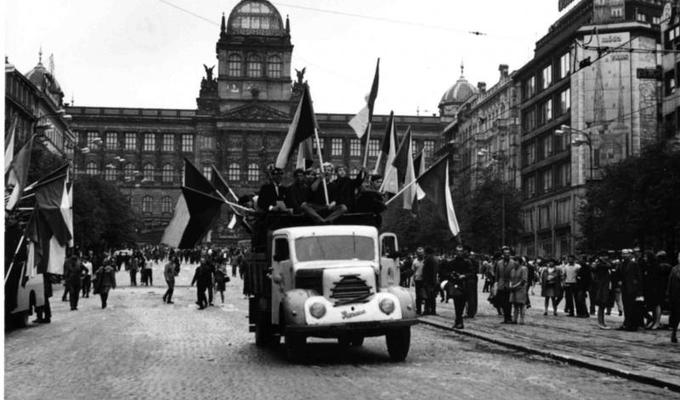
<point x="585" y="362"/>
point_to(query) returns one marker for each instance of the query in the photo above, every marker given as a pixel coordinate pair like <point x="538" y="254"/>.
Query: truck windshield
<point x="335" y="248"/>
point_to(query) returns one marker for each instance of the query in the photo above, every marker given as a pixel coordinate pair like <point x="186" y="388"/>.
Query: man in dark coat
<point x="430" y="269"/>
<point x="673" y="295"/>
<point x="459" y="280"/>
<point x="471" y="285"/>
<point x="343" y="189"/>
<point x="272" y="195"/>
<point x="631" y="291"/>
<point x="72" y="271"/>
<point x="298" y="196"/>
<point x="202" y="279"/>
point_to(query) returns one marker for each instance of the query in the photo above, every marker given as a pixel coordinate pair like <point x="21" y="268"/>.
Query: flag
<point x="47" y="252"/>
<point x="194" y="214"/>
<point x="67" y="208"/>
<point x="194" y="179"/>
<point x="403" y="162"/>
<point x="360" y="121"/>
<point x="49" y="204"/>
<point x="18" y="173"/>
<point x="388" y="151"/>
<point x="305" y="154"/>
<point x="419" y="165"/>
<point x="9" y="144"/>
<point x="435" y="184"/>
<point x="302" y="127"/>
<point x="401" y="158"/>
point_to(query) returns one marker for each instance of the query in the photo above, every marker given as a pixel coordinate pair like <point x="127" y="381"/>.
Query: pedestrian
<point x="551" y="285"/>
<point x="72" y="271"/>
<point x="571" y="269"/>
<point x="653" y="287"/>
<point x="471" y="284"/>
<point x="148" y="270"/>
<point x="418" y="279"/>
<point x="518" y="291"/>
<point x="170" y="272"/>
<point x="501" y="275"/>
<point x="602" y="284"/>
<point x="221" y="278"/>
<point x="631" y="291"/>
<point x="430" y="268"/>
<point x="202" y="281"/>
<point x="134" y="267"/>
<point x="106" y="279"/>
<point x="458" y="279"/>
<point x="673" y="295"/>
<point x="583" y="283"/>
<point x="86" y="276"/>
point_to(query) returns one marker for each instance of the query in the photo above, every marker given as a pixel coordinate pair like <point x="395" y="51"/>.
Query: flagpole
<point x="368" y="143"/>
<point x="401" y="191"/>
<point x="323" y="173"/>
<point x="9" y="270"/>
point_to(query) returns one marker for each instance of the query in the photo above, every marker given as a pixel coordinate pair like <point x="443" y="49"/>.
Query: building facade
<point x="582" y="107"/>
<point x="670" y="28"/>
<point x="242" y="116"/>
<point x="34" y="105"/>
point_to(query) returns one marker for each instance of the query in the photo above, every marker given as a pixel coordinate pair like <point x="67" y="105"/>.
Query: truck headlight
<point x="386" y="306"/>
<point x="318" y="310"/>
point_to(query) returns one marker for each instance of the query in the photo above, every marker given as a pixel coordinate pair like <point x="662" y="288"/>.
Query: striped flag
<point x="388" y="152"/>
<point x="361" y="120"/>
<point x="194" y="213"/>
<point x="17" y="174"/>
<point x="435" y="184"/>
<point x="403" y="162"/>
<point x="302" y="127"/>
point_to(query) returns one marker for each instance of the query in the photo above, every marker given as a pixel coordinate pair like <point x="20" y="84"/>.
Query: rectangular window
<point x="207" y="142"/>
<point x="93" y="138"/>
<point x="110" y="173"/>
<point x="354" y="147"/>
<point x="207" y="172"/>
<point x="544" y="219"/>
<point x="531" y="153"/>
<point x="641" y="17"/>
<point x="562" y="211"/>
<point x="656" y="20"/>
<point x="530" y="188"/>
<point x="168" y="142"/>
<point x="187" y="143"/>
<point x="336" y="147"/>
<point x="548" y="145"/>
<point x="130" y="141"/>
<point x="111" y="141"/>
<point x="548" y="109"/>
<point x="529" y="120"/>
<point x="373" y="147"/>
<point x="149" y="142"/>
<point x="565" y="101"/>
<point x="617" y="12"/>
<point x="546" y="76"/>
<point x="321" y="143"/>
<point x="428" y="148"/>
<point x="565" y="65"/>
<point x="547" y="181"/>
<point x="529" y="87"/>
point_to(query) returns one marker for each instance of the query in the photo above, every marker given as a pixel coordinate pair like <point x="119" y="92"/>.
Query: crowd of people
<point x="640" y="284"/>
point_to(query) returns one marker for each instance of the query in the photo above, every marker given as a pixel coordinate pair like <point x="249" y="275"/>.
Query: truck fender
<point x="293" y="306"/>
<point x="408" y="309"/>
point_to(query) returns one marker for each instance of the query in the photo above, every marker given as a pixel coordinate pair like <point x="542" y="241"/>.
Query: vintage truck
<point x="328" y="281"/>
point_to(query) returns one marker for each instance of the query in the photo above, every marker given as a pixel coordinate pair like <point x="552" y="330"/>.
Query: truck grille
<point x="349" y="289"/>
<point x="311" y="279"/>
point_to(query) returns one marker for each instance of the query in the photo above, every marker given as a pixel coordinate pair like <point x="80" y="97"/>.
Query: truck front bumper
<point x="365" y="328"/>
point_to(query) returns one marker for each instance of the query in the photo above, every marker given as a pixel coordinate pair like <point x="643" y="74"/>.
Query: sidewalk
<point x="644" y="356"/>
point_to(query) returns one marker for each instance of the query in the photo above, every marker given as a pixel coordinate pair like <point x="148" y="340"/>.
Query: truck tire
<point x="294" y="346"/>
<point x="398" y="343"/>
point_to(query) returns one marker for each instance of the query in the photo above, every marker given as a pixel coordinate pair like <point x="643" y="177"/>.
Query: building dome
<point x="255" y="17"/>
<point x="45" y="81"/>
<point x="459" y="92"/>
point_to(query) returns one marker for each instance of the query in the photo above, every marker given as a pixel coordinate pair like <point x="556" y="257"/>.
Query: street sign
<point x="650" y="73"/>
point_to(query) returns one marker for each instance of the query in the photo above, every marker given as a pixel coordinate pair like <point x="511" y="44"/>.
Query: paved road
<point x="140" y="348"/>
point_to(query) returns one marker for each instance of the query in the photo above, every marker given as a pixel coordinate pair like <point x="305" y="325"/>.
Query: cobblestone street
<point x="141" y="348"/>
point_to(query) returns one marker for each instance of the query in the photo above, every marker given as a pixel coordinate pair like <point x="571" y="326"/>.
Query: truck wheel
<point x="294" y="344"/>
<point x="398" y="343"/>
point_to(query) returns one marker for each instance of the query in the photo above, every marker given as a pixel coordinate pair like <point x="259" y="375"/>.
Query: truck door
<point x="389" y="261"/>
<point x="281" y="273"/>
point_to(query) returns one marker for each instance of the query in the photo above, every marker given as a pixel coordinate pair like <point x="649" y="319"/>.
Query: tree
<point x="635" y="203"/>
<point x="423" y="229"/>
<point x="481" y="218"/>
<point x="102" y="216"/>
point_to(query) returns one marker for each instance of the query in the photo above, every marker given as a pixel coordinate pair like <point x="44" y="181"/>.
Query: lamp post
<point x="566" y="129"/>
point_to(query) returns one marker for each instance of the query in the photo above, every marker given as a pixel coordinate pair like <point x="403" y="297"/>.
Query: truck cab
<point x="332" y="281"/>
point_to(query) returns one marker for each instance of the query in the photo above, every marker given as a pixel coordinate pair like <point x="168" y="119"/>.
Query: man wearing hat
<point x="272" y="195"/>
<point x="501" y="275"/>
<point x="631" y="291"/>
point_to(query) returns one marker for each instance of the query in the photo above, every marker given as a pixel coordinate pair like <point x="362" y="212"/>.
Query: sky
<point x="150" y="53"/>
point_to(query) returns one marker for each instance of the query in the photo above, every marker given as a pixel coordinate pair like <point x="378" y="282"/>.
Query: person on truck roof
<point x="299" y="195"/>
<point x="272" y="195"/>
<point x="317" y="200"/>
<point x="343" y="189"/>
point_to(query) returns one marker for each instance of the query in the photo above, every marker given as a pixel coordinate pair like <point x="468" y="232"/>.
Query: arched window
<point x="254" y="67"/>
<point x="91" y="168"/>
<point x="234" y="65"/>
<point x="253" y="172"/>
<point x="148" y="172"/>
<point x="129" y="171"/>
<point x="234" y="173"/>
<point x="147" y="204"/>
<point x="274" y="67"/>
<point x="166" y="204"/>
<point x="168" y="173"/>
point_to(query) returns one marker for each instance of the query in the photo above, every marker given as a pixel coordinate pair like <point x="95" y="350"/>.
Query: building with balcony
<point x="582" y="83"/>
<point x="242" y="116"/>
